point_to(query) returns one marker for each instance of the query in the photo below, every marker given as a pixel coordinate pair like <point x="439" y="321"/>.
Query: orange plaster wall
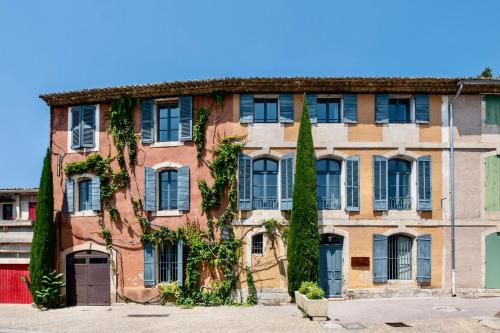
<point x="432" y="132"/>
<point x="366" y="130"/>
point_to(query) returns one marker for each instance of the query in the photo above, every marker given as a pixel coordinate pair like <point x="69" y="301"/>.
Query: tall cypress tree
<point x="43" y="244"/>
<point x="303" y="242"/>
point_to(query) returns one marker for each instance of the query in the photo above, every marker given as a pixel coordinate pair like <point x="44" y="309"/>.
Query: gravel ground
<point x="422" y="314"/>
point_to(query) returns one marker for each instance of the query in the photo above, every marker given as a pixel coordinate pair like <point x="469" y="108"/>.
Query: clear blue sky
<point x="51" y="46"/>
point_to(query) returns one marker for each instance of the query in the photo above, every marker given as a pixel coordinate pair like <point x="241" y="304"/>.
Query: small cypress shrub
<point x="43" y="244"/>
<point x="303" y="238"/>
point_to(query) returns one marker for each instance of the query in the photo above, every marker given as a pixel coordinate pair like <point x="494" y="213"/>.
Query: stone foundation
<point x="477" y="292"/>
<point x="391" y="292"/>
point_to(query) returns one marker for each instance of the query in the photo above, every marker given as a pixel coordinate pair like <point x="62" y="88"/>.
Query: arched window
<point x="168" y="189"/>
<point x="328" y="184"/>
<point x="399" y="184"/>
<point x="85" y="195"/>
<point x="265" y="184"/>
<point x="399" y="263"/>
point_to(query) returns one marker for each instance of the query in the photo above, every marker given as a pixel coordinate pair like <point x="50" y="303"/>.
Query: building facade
<point x="383" y="193"/>
<point x="17" y="206"/>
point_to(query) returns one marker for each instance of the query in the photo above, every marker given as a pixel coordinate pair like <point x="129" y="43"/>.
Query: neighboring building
<point x="382" y="153"/>
<point x="17" y="206"/>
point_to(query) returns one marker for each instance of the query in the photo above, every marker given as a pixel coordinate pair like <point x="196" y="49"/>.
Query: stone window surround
<point x="76" y="193"/>
<point x="158" y="168"/>
<point x="156" y="143"/>
<point x="96" y="132"/>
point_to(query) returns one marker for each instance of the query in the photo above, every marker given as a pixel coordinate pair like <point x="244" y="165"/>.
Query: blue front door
<point x="330" y="268"/>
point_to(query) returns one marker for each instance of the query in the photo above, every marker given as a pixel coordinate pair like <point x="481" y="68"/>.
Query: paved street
<point x="422" y="314"/>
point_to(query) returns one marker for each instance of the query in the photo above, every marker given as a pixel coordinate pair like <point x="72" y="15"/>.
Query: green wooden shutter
<point x="76" y="130"/>
<point x="382" y="108"/>
<point x="185" y="118"/>
<point x="312" y="105"/>
<point x="183" y="188"/>
<point x="380" y="258"/>
<point x="149" y="189"/>
<point x="96" y="193"/>
<point x="424" y="258"/>
<point x="379" y="183"/>
<point x="422" y="109"/>
<point x="424" y="187"/>
<point x="350" y="108"/>
<point x="149" y="265"/>
<point x="180" y="261"/>
<point x="88" y="126"/>
<point x="352" y="184"/>
<point x="286" y="108"/>
<point x="69" y="195"/>
<point x="147" y="121"/>
<point x="286" y="171"/>
<point x="492" y="109"/>
<point x="244" y="182"/>
<point x="492" y="262"/>
<point x="247" y="108"/>
<point x="492" y="183"/>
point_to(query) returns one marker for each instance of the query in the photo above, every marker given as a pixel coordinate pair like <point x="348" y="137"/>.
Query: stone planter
<point x="316" y="309"/>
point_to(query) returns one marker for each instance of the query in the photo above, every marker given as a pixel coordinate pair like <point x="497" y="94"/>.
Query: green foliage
<point x="303" y="240"/>
<point x="252" y="291"/>
<point x="121" y="128"/>
<point x="487" y="73"/>
<point x="106" y="236"/>
<point x="199" y="125"/>
<point x="49" y="295"/>
<point x="42" y="260"/>
<point x="114" y="214"/>
<point x="274" y="228"/>
<point x="169" y="292"/>
<point x="311" y="290"/>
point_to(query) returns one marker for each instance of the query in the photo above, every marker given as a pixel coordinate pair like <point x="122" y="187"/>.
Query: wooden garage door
<point x="87" y="278"/>
<point x="12" y="286"/>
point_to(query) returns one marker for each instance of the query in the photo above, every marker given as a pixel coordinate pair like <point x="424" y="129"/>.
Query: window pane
<point x="84" y="195"/>
<point x="321" y="109"/>
<point x="259" y="112"/>
<point x="272" y="112"/>
<point x="168" y="189"/>
<point x="334" y="112"/>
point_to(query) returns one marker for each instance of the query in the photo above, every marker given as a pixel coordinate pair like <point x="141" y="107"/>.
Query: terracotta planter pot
<point x="316" y="309"/>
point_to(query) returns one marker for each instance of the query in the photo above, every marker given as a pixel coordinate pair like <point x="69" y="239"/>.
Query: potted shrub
<point x="169" y="292"/>
<point x="309" y="298"/>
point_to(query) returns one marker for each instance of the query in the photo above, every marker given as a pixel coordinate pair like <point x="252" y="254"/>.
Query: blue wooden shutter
<point x="247" y="108"/>
<point x="380" y="258"/>
<point x="382" y="108"/>
<point x="185" y="118"/>
<point x="424" y="258"/>
<point x="69" y="195"/>
<point x="312" y="103"/>
<point x="424" y="179"/>
<point x="422" y="109"/>
<point x="76" y="128"/>
<point x="352" y="184"/>
<point x="379" y="183"/>
<point x="149" y="264"/>
<point x="96" y="193"/>
<point x="350" y="108"/>
<point x="286" y="108"/>
<point x="183" y="188"/>
<point x="286" y="170"/>
<point x="147" y="121"/>
<point x="149" y="189"/>
<point x="88" y="126"/>
<point x="180" y="261"/>
<point x="244" y="182"/>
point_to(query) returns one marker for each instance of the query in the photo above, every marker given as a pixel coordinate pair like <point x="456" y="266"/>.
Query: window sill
<point x="164" y="213"/>
<point x="167" y="144"/>
<point x="82" y="150"/>
<point x="84" y="213"/>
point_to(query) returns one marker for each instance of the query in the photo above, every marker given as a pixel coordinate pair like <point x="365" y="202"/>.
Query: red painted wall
<point x="12" y="286"/>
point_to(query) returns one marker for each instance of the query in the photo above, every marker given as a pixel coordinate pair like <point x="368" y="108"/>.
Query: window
<point x="328" y="110"/>
<point x="399" y="110"/>
<point x="265" y="184"/>
<point x="492" y="183"/>
<point x="266" y="111"/>
<point x="7" y="212"/>
<point x="328" y="184"/>
<point x="168" y="189"/>
<point x="399" y="257"/>
<point x="167" y="262"/>
<point x="83" y="126"/>
<point x="168" y="122"/>
<point x="85" y="195"/>
<point x="399" y="184"/>
<point x="258" y="244"/>
<point x="492" y="109"/>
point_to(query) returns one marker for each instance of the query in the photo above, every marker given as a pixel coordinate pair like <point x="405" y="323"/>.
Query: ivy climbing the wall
<point x="199" y="125"/>
<point x="121" y="128"/>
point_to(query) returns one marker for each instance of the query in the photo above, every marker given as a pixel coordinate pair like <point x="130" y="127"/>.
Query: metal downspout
<point x="452" y="186"/>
